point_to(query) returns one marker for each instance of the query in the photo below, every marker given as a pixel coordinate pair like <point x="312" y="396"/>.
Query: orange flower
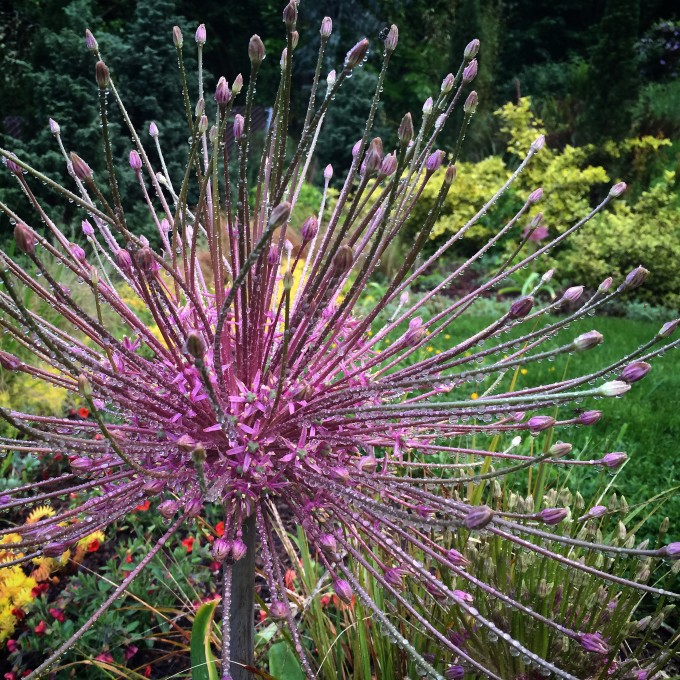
<point x="142" y="507"/>
<point x="93" y="546"/>
<point x="263" y="615"/>
<point x="219" y="529"/>
<point x="128" y="558"/>
<point x="325" y="600"/>
<point x="83" y="412"/>
<point x="188" y="543"/>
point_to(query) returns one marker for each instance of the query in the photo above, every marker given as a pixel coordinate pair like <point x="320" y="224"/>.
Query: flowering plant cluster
<point x="260" y="390"/>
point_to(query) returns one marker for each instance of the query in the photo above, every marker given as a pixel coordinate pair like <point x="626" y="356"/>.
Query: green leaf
<point x="283" y="663"/>
<point x="202" y="660"/>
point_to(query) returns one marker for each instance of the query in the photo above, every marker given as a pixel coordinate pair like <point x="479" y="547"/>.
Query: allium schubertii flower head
<point x="258" y="387"/>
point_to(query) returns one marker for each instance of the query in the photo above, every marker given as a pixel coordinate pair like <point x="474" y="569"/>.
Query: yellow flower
<point x="474" y="395"/>
<point x="41" y="512"/>
<point x="430" y="348"/>
<point x="524" y="371"/>
<point x="447" y="336"/>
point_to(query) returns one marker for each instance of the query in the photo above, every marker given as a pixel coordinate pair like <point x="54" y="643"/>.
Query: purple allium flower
<point x="264" y="380"/>
<point x="635" y="371"/>
<point x="593" y="642"/>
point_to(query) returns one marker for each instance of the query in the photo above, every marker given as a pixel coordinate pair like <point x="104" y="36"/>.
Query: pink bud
<point x="328" y="172"/>
<point x="520" y="308"/>
<point x="392" y="39"/>
<point x="80" y="168"/>
<point x="326" y="27"/>
<point x="200" y="35"/>
<point x="328" y="542"/>
<point x="88" y="229"/>
<point x="471" y="103"/>
<point x="669" y="328"/>
<point x="290" y="14"/>
<point x="605" y="285"/>
<point x="478" y="517"/>
<point x="538" y="143"/>
<point x="457" y="558"/>
<point x="278" y="610"/>
<point x="309" y="228"/>
<point x="635" y="279"/>
<point x="593" y="642"/>
<point x="434" y="161"/>
<point x="239" y="122"/>
<point x="343" y="590"/>
<point x="273" y="256"/>
<point x="222" y="92"/>
<point x="447" y="83"/>
<point x="672" y="550"/>
<point x="589" y="417"/>
<point x="394" y="577"/>
<point x="221" y="549"/>
<point x="239" y="550"/>
<point x="124" y="261"/>
<point x="635" y="371"/>
<point x="168" y="509"/>
<point x="618" y="189"/>
<point x="256" y="51"/>
<point x="613" y="460"/>
<point x="177" y="37"/>
<point x="54" y="127"/>
<point x="9" y="362"/>
<point x="90" y="41"/>
<point x="470" y="71"/>
<point x="587" y="340"/>
<point x="614" y="388"/>
<point x="135" y="160"/>
<point x="471" y="49"/>
<point x="427" y="106"/>
<point x="552" y="516"/>
<point x="535" y="196"/>
<point x="357" y="54"/>
<point x="237" y="85"/>
<point x="389" y="165"/>
<point x="540" y="423"/>
<point x="572" y="294"/>
<point x="24" y="238"/>
<point x="77" y="252"/>
<point x="194" y="507"/>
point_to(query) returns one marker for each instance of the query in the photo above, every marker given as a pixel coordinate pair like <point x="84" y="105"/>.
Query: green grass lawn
<point x="645" y="422"/>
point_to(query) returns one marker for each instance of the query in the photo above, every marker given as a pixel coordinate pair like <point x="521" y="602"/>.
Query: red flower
<point x="325" y="600"/>
<point x="147" y="672"/>
<point x="10" y="676"/>
<point x="219" y="529"/>
<point x="142" y="507"/>
<point x="263" y="615"/>
<point x="188" y="543"/>
<point x="83" y="412"/>
<point x="93" y="546"/>
<point x="128" y="558"/>
<point x="214" y="566"/>
<point x="18" y="613"/>
<point x="289" y="579"/>
<point x="104" y="657"/>
<point x="12" y="646"/>
<point x="58" y="614"/>
<point x="40" y="628"/>
<point x="129" y="652"/>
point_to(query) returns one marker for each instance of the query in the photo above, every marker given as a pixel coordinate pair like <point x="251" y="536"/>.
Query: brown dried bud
<point x="101" y="72"/>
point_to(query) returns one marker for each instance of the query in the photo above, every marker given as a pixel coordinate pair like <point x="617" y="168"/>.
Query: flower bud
<point x="290" y="14"/>
<point x="614" y="388"/>
<point x="273" y="255"/>
<point x="279" y="214"/>
<point x="195" y="347"/>
<point x="434" y="161"/>
<point x="367" y="464"/>
<point x="587" y="340"/>
<point x="672" y="550"/>
<point x="520" y="308"/>
<point x="416" y="332"/>
<point x="24" y="238"/>
<point x="470" y="105"/>
<point x="394" y="577"/>
<point x="613" y="460"/>
<point x="80" y="464"/>
<point x="540" y="423"/>
<point x="357" y="54"/>
<point x="560" y="449"/>
<point x="145" y="260"/>
<point x="123" y="260"/>
<point x="617" y="189"/>
<point x="200" y="35"/>
<point x="447" y="84"/>
<point x="90" y="41"/>
<point x="309" y="228"/>
<point x="635" y="279"/>
<point x="450" y="174"/>
<point x="455" y="672"/>
<point x="326" y="27"/>
<point x="9" y="362"/>
<point x="256" y="51"/>
<point x="278" y="610"/>
<point x="343" y="590"/>
<point x="101" y="72"/>
<point x="456" y="558"/>
<point x="135" y="160"/>
<point x="343" y="260"/>
<point x="222" y="92"/>
<point x="55" y="548"/>
<point x="573" y="294"/>
<point x="669" y="328"/>
<point x="548" y="276"/>
<point x="80" y="168"/>
<point x="221" y="548"/>
<point x="392" y="39"/>
<point x="238" y="550"/>
<point x="77" y="252"/>
<point x="589" y="417"/>
<point x="593" y="642"/>
<point x="168" y="509"/>
<point x="373" y="156"/>
<point x="54" y="127"/>
<point x="237" y="85"/>
<point x="478" y="517"/>
<point x="328" y="542"/>
<point x="552" y="516"/>
<point x="405" y="130"/>
<point x="470" y="71"/>
<point x="635" y="371"/>
<point x="388" y="165"/>
<point x="177" y="37"/>
<point x="194" y="507"/>
<point x="595" y="512"/>
<point x="294" y="39"/>
<point x="287" y="281"/>
<point x="427" y="106"/>
<point x="471" y="49"/>
<point x="535" y="196"/>
<point x="202" y="124"/>
<point x="328" y="172"/>
<point x="238" y="126"/>
<point x="605" y="285"/>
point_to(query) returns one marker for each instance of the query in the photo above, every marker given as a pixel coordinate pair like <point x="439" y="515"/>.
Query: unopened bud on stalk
<point x="290" y="15"/>
<point x="470" y="105"/>
<point x="54" y="127"/>
<point x="573" y="294"/>
<point x="326" y="27"/>
<point x="587" y="340"/>
<point x="535" y="196"/>
<point x="123" y="260"/>
<point x="256" y="51"/>
<point x="392" y="39"/>
<point x="177" y="37"/>
<point x="388" y="165"/>
<point x="102" y="75"/>
<point x="278" y="610"/>
<point x="145" y="260"/>
<point x="200" y="35"/>
<point x="220" y="549"/>
<point x="237" y="85"/>
<point x="605" y="285"/>
<point x="24" y="238"/>
<point x="405" y="132"/>
<point x="222" y="92"/>
<point x="635" y="371"/>
<point x="195" y="347"/>
<point x="239" y="122"/>
<point x="374" y="156"/>
<point x="635" y="279"/>
<point x="471" y="49"/>
<point x="273" y="255"/>
<point x="309" y="228"/>
<point x="203" y="124"/>
<point x="279" y="214"/>
<point x="470" y="72"/>
<point x="540" y="423"/>
<point x="447" y="84"/>
<point x="84" y="386"/>
<point x="538" y="143"/>
<point x="427" y="106"/>
<point x="669" y="328"/>
<point x="589" y="417"/>
<point x="153" y="130"/>
<point x="434" y="161"/>
<point x="450" y="174"/>
<point x="560" y="449"/>
<point x="168" y="508"/>
<point x="552" y="516"/>
<point x="343" y="590"/>
<point x="328" y="172"/>
<point x="618" y="189"/>
<point x="343" y="259"/>
<point x="416" y="332"/>
<point x="357" y="54"/>
<point x="287" y="281"/>
<point x="294" y="39"/>
<point x="478" y="518"/>
<point x="239" y="549"/>
<point x="135" y="160"/>
<point x="613" y="460"/>
<point x="80" y="168"/>
<point x="614" y="388"/>
<point x="90" y="41"/>
<point x="520" y="308"/>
